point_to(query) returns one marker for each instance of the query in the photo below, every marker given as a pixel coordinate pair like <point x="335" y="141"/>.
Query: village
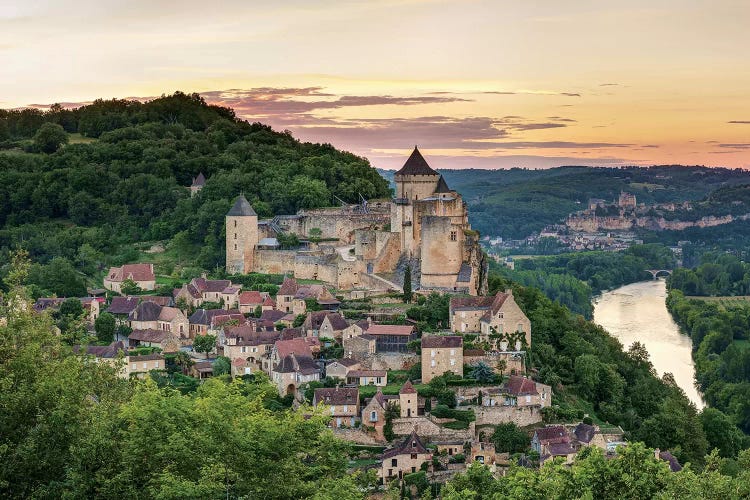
<point x="410" y="397"/>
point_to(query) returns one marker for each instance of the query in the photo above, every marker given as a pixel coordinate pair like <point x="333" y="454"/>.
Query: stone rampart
<point x="426" y="428"/>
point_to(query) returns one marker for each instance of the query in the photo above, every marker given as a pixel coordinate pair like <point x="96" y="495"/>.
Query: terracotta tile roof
<point x="520" y="386"/>
<point x="473" y="352"/>
<point x="552" y="434"/>
<point x="269" y="302"/>
<point x="298" y="346"/>
<point x="251" y="297"/>
<point x="416" y="165"/>
<point x="288" y="287"/>
<point x="169" y="313"/>
<point x="407" y="388"/>
<point x="136" y="272"/>
<point x="204" y="367"/>
<point x="390" y="330"/>
<point x="232" y="315"/>
<point x="123" y="305"/>
<point x="336" y="396"/>
<point x="409" y="446"/>
<point x="442" y="341"/>
<point x="146" y="357"/>
<point x="315" y="320"/>
<point x="291" y="333"/>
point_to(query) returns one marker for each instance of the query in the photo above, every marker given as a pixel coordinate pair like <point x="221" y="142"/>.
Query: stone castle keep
<point x="369" y="246"/>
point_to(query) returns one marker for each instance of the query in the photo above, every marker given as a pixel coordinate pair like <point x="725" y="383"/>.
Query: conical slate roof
<point x="200" y="180"/>
<point x="416" y="165"/>
<point x="241" y="207"/>
<point x="442" y="186"/>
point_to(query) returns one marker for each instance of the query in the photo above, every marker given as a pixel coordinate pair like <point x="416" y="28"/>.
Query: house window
<point x="373" y="416"/>
<point x="145" y="365"/>
<point x="432" y="353"/>
<point x="135" y="366"/>
<point x="242" y="349"/>
<point x="346" y="408"/>
<point x="235" y="246"/>
<point x="528" y="399"/>
<point x="379" y="380"/>
<point x="332" y="408"/>
<point x="394" y="462"/>
<point x="156" y="364"/>
<point x="453" y="352"/>
<point x="453" y="362"/>
<point x="432" y="363"/>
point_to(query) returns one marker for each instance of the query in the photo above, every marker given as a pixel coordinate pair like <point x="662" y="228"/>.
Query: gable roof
<point x="416" y="165"/>
<point x="158" y="299"/>
<point x="272" y="315"/>
<point x="442" y="341"/>
<point x="493" y="303"/>
<point x="336" y="396"/>
<point x="552" y="433"/>
<point x="136" y="272"/>
<point x="146" y="311"/>
<point x="293" y="363"/>
<point x="442" y="186"/>
<point x="241" y="207"/>
<point x="123" y="305"/>
<point x="250" y="297"/>
<point x="584" y="432"/>
<point x="206" y="316"/>
<point x="103" y="351"/>
<point x="389" y="330"/>
<point x="411" y="445"/>
<point x="366" y="373"/>
<point x="298" y="346"/>
<point x="149" y="335"/>
<point x="520" y="386"/>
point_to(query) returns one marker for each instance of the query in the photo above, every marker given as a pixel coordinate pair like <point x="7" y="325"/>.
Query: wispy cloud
<point x="739" y="122"/>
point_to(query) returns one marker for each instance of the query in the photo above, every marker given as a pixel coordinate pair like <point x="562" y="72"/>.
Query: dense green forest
<point x="719" y="326"/>
<point x="573" y="279"/>
<point x="124" y="178"/>
<point x="517" y="202"/>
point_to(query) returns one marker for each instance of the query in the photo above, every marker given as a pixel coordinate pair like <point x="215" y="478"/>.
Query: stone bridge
<point x="655" y="273"/>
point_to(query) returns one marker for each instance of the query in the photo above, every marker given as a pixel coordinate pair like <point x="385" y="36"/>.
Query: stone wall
<point x="426" y="428"/>
<point x="390" y="361"/>
<point x="358" y="436"/>
<point x="494" y="415"/>
<point x="274" y="261"/>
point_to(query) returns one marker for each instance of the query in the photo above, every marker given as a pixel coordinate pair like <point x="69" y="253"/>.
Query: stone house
<point x="553" y="441"/>
<point x="408" y="400"/>
<point x="116" y="355"/>
<point x="442" y="354"/>
<point x="149" y="315"/>
<point x="343" y="403"/>
<point x="521" y="392"/>
<point x="450" y="448"/>
<point x="391" y="338"/>
<point x="292" y="297"/>
<point x="165" y="340"/>
<point x="485" y="315"/>
<point x="367" y="377"/>
<point x="481" y="452"/>
<point x="294" y="371"/>
<point x="202" y="370"/>
<point x="249" y="300"/>
<point x="142" y="274"/>
<point x="201" y="290"/>
<point x="373" y="413"/>
<point x="355" y="329"/>
<point x="90" y="304"/>
<point x="202" y="320"/>
<point x="360" y="347"/>
<point x="246" y="344"/>
<point x="139" y="366"/>
<point x="341" y="367"/>
<point x="406" y="458"/>
<point x="324" y="324"/>
<point x="121" y="307"/>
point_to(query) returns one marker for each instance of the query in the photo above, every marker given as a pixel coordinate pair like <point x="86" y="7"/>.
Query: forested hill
<point x="117" y="171"/>
<point x="517" y="202"/>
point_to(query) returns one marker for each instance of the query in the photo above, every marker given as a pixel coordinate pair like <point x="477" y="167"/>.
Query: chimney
<point x="657" y="451"/>
<point x="509" y="291"/>
<point x="203" y="275"/>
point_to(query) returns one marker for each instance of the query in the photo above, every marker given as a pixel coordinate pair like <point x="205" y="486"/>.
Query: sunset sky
<point x="487" y="84"/>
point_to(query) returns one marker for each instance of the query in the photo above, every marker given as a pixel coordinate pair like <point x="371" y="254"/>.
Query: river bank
<point x="638" y="312"/>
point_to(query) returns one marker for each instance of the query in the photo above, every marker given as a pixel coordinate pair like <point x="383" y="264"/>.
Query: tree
<point x="129" y="287"/>
<point x="204" y="343"/>
<point x="721" y="432"/>
<point x="222" y="366"/>
<point x="315" y="234"/>
<point x="509" y="438"/>
<point x="50" y="137"/>
<point x="184" y="361"/>
<point x="407" y="284"/>
<point x="105" y="326"/>
<point x="482" y="373"/>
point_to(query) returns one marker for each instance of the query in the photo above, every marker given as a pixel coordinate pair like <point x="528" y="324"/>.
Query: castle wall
<point x="442" y="245"/>
<point x="415" y="187"/>
<point x="274" y="261"/>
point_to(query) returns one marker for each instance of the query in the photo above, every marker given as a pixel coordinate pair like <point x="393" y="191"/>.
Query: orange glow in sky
<point x="484" y="84"/>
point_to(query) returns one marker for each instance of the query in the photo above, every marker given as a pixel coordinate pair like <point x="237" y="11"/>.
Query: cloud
<point x="463" y="161"/>
<point x="609" y="85"/>
<point x="740" y="122"/>
<point x="741" y="145"/>
<point x="650" y="146"/>
<point x="270" y="102"/>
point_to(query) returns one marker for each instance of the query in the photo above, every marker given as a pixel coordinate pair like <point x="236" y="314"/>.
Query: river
<point x="638" y="312"/>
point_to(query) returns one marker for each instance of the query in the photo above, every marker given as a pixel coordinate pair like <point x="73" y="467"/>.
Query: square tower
<point x="242" y="236"/>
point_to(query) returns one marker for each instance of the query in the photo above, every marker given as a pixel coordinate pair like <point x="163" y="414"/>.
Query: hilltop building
<point x="425" y="227"/>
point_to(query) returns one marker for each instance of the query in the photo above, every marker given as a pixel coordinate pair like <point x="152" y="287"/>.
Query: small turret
<point x="242" y="236"/>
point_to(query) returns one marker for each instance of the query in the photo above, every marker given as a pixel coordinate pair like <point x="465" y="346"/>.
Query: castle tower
<point x="242" y="236"/>
<point x="415" y="181"/>
<point x="408" y="400"/>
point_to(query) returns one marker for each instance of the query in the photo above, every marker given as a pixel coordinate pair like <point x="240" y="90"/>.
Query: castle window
<point x="235" y="236"/>
<point x="235" y="246"/>
<point x="235" y="223"/>
<point x="454" y="236"/>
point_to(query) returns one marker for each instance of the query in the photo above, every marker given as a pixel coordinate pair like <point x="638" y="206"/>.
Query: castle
<point x="425" y="227"/>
